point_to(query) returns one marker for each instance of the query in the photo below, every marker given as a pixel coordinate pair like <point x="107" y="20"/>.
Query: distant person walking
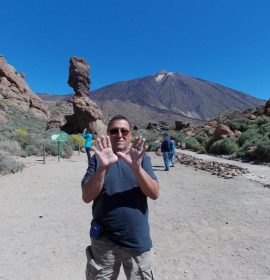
<point x="166" y="151"/>
<point x="173" y="148"/>
<point x="87" y="135"/>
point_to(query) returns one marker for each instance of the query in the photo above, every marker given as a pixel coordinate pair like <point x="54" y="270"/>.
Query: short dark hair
<point x="117" y="118"/>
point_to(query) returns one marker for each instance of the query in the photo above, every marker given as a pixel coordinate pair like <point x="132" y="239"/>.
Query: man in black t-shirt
<point x="119" y="179"/>
<point x="166" y="151"/>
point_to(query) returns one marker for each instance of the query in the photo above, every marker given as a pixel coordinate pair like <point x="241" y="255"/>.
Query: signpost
<point x="59" y="137"/>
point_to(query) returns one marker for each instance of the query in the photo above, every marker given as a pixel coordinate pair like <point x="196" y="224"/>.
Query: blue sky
<point x="223" y="41"/>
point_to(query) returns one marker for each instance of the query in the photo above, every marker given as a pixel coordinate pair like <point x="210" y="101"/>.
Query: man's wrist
<point x="136" y="167"/>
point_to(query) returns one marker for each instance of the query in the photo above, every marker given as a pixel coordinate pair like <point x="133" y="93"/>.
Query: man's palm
<point x="106" y="157"/>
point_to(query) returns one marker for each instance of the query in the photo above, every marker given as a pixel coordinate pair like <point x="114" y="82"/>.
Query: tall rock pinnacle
<point x="79" y="73"/>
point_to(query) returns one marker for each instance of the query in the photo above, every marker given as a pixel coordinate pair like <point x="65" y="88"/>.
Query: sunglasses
<point x="115" y="131"/>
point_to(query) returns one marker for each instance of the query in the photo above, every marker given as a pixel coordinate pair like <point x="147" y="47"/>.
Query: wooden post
<point x="44" y="154"/>
<point x="58" y="151"/>
<point x="79" y="148"/>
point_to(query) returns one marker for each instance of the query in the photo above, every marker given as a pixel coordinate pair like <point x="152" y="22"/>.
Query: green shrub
<point x="203" y="149"/>
<point x="265" y="129"/>
<point x="23" y="154"/>
<point x="261" y="147"/>
<point x="19" y="119"/>
<point x="192" y="143"/>
<point x="65" y="150"/>
<point x="76" y="141"/>
<point x="209" y="131"/>
<point x="52" y="149"/>
<point x="225" y="146"/>
<point x="202" y="139"/>
<point x="33" y="150"/>
<point x="11" y="146"/>
<point x="6" y="132"/>
<point x="8" y="163"/>
<point x="32" y="143"/>
<point x="178" y="136"/>
<point x="242" y="124"/>
<point x="21" y="133"/>
<point x="153" y="146"/>
<point x="262" y="120"/>
<point x="149" y="135"/>
<point x="248" y="135"/>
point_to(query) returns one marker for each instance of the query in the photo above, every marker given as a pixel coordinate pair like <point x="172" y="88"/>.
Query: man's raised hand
<point x="104" y="152"/>
<point x="135" y="154"/>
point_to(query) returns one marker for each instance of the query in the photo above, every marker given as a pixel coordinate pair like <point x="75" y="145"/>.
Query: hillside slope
<point x="170" y="96"/>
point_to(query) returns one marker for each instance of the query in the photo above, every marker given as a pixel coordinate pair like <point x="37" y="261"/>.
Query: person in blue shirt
<point x="87" y="135"/>
<point x="119" y="180"/>
<point x="173" y="149"/>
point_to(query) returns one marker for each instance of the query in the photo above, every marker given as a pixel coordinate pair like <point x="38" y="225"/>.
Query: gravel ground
<point x="202" y="227"/>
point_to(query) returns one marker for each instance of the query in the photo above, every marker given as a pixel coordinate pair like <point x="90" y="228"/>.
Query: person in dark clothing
<point x="119" y="180"/>
<point x="166" y="151"/>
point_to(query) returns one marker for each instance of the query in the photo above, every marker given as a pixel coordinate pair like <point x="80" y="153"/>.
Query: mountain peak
<point x="160" y="75"/>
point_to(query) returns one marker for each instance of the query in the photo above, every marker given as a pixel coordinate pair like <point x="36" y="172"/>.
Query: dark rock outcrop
<point x="161" y="125"/>
<point x="179" y="124"/>
<point x="14" y="91"/>
<point x="267" y="108"/>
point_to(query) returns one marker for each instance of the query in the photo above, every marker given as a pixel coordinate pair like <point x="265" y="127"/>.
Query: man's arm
<point x="148" y="185"/>
<point x="92" y="188"/>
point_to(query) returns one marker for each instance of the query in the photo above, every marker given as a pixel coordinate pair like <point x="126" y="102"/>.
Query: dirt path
<point x="203" y="227"/>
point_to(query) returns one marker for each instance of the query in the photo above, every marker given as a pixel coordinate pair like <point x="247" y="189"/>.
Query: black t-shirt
<point x="121" y="207"/>
<point x="166" y="146"/>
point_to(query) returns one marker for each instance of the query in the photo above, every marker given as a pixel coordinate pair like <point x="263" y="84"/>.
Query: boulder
<point x="56" y="123"/>
<point x="87" y="113"/>
<point x="190" y="132"/>
<point x="252" y="117"/>
<point x="222" y="131"/>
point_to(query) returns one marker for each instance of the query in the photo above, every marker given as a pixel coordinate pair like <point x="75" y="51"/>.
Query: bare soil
<point x="202" y="227"/>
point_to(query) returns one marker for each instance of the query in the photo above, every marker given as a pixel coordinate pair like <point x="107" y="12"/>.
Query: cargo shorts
<point x="104" y="259"/>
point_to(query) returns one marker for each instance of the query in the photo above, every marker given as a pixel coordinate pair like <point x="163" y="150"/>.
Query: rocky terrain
<point x="72" y="116"/>
<point x="184" y="100"/>
<point x="14" y="91"/>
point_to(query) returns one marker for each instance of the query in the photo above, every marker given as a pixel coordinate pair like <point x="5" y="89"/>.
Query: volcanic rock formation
<point x="79" y="76"/>
<point x="86" y="113"/>
<point x="14" y="91"/>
